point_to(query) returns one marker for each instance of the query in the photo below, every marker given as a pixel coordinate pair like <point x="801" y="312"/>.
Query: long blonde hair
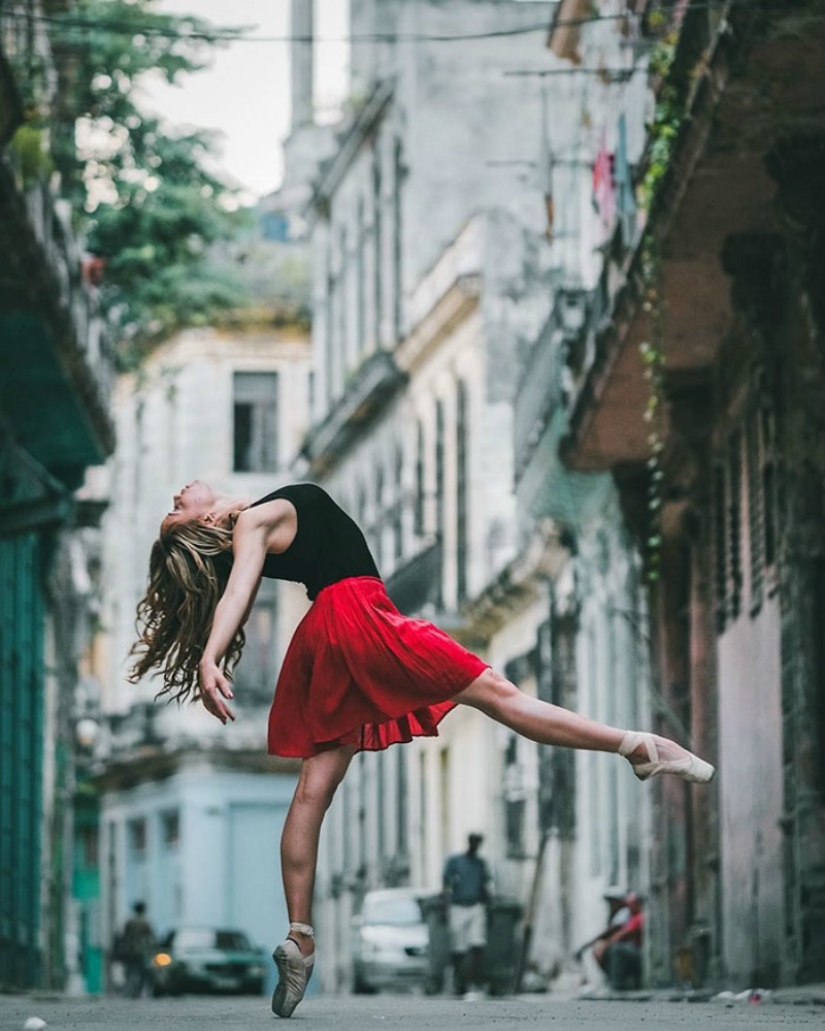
<point x="188" y="570"/>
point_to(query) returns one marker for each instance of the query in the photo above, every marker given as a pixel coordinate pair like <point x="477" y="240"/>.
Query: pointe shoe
<point x="294" y="972"/>
<point x="690" y="767"/>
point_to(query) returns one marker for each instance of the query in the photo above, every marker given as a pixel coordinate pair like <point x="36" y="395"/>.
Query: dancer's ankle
<point x="304" y="937"/>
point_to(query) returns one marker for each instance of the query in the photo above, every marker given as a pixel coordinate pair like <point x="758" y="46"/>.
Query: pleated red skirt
<point x="358" y="672"/>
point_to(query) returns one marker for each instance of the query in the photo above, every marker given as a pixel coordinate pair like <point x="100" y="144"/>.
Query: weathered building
<point x="430" y="280"/>
<point x="585" y="643"/>
<point x="722" y="484"/>
<point x="55" y="376"/>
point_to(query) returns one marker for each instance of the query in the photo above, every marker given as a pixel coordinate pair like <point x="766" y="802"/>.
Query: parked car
<point x="391" y="941"/>
<point x="205" y="959"/>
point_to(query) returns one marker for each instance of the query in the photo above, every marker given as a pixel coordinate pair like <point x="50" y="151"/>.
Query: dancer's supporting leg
<point x="548" y="724"/>
<point x="320" y="776"/>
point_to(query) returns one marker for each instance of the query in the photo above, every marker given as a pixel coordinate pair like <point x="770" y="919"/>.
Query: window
<point x="397" y="228"/>
<point x="398" y="508"/>
<point x="361" y="284"/>
<point x="137" y="838"/>
<point x="342" y="358"/>
<point x="461" y="489"/>
<point x="418" y="515"/>
<point x="170" y="828"/>
<point x="256" y="672"/>
<point x="329" y="320"/>
<point x="255" y="422"/>
<point x="728" y="531"/>
<point x="514" y="801"/>
<point x="378" y="524"/>
<point x="439" y="469"/>
<point x="87" y="847"/>
<point x="401" y="801"/>
<point x="762" y="501"/>
<point x="439" y="487"/>
<point x="378" y="263"/>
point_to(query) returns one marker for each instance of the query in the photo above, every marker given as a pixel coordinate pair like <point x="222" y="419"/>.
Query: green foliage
<point x="30" y="155"/>
<point x="149" y="206"/>
<point x="667" y="121"/>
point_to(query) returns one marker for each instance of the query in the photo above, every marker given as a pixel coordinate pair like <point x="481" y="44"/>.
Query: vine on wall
<point x="667" y="120"/>
<point x="652" y="354"/>
<point x="663" y="133"/>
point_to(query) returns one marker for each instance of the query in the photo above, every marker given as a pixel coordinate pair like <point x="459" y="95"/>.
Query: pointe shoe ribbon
<point x="690" y="767"/>
<point x="294" y="972"/>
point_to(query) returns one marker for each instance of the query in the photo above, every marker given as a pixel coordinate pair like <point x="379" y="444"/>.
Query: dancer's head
<point x="189" y="565"/>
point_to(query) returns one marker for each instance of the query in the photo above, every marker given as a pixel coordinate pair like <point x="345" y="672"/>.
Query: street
<point x="350" y="1013"/>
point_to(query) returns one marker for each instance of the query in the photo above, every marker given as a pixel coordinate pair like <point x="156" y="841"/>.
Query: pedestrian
<point x="467" y="884"/>
<point x="357" y="674"/>
<point x="135" y="946"/>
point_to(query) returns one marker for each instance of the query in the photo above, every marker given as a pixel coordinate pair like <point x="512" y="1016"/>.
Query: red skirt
<point x="358" y="672"/>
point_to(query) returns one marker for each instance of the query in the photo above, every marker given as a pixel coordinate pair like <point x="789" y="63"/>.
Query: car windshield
<point x="206" y="938"/>
<point x="401" y="911"/>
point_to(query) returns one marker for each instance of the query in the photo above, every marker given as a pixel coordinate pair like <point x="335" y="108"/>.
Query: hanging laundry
<point x="604" y="187"/>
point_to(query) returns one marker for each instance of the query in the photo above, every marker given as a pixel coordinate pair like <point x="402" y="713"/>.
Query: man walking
<point x="137" y="942"/>
<point x="467" y="889"/>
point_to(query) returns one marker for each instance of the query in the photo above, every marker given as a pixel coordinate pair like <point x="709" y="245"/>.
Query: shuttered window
<point x="255" y="422"/>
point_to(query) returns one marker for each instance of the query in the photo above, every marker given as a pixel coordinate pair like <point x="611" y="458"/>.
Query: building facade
<point x="433" y="277"/>
<point x="56" y="371"/>
<point x="716" y="485"/>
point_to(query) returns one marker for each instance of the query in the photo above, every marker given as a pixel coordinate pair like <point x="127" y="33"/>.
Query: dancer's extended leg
<point x="548" y="724"/>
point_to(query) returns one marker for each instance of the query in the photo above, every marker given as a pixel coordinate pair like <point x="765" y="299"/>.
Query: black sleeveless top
<point x="328" y="544"/>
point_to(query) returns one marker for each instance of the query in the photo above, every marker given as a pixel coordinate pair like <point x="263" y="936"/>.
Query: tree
<point x="148" y="205"/>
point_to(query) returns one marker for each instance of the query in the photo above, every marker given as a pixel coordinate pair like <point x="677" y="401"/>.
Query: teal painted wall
<point x="22" y="610"/>
<point x="86" y="885"/>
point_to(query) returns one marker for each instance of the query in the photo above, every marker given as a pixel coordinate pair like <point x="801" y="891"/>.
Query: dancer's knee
<point x="320" y="777"/>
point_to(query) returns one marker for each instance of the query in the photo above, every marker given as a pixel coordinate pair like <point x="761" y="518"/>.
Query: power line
<point x="230" y="36"/>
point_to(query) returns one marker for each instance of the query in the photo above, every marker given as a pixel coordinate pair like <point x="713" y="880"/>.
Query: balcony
<point x="541" y="391"/>
<point x="56" y="363"/>
<point x="370" y="389"/>
<point x="719" y="187"/>
<point x="417" y="584"/>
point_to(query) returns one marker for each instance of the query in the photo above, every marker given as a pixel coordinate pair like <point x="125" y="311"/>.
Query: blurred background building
<point x="563" y="267"/>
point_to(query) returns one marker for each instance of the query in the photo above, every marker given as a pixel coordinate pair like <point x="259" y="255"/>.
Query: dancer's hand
<point x="215" y="686"/>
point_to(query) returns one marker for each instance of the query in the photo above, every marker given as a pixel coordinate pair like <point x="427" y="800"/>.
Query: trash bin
<point x="501" y="956"/>
<point x="435" y="912"/>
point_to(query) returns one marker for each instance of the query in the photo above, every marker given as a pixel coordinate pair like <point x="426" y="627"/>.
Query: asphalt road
<point x="357" y="1013"/>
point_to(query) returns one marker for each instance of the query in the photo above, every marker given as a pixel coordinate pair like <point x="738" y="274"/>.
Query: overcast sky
<point x="245" y="92"/>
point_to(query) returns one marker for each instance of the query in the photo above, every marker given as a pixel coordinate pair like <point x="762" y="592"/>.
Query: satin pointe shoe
<point x="690" y="767"/>
<point x="294" y="972"/>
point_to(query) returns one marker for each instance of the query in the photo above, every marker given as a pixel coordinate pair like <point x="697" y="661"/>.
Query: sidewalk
<point x="798" y="995"/>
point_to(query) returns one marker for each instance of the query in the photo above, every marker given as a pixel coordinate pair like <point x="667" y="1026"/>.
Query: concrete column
<point x="301" y="54"/>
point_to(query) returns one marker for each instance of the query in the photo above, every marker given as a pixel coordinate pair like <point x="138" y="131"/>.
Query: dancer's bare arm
<point x="258" y="531"/>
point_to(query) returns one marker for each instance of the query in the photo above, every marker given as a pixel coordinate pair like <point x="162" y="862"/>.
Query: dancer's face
<point x="193" y="502"/>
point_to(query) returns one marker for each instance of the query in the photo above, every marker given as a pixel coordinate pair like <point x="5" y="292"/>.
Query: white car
<point x="391" y="941"/>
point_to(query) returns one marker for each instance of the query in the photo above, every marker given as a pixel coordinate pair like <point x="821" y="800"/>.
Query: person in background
<point x="467" y="885"/>
<point x="619" y="953"/>
<point x="136" y="946"/>
<point x="618" y="914"/>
